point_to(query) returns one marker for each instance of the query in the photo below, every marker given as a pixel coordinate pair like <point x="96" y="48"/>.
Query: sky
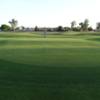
<point x="49" y="13"/>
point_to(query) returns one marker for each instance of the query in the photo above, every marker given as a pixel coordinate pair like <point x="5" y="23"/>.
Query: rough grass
<point x="54" y="68"/>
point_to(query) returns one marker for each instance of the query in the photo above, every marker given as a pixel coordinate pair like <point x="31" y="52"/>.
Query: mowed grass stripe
<point x="47" y="43"/>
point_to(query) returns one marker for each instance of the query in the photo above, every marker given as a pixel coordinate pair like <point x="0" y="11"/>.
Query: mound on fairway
<point x="59" y="67"/>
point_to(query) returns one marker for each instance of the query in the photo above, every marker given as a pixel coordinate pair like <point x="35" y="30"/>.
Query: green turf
<point x="59" y="67"/>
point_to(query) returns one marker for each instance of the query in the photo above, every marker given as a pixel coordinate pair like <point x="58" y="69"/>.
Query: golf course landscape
<point x="63" y="66"/>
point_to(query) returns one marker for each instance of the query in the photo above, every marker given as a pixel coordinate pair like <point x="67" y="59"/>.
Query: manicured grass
<point x="59" y="67"/>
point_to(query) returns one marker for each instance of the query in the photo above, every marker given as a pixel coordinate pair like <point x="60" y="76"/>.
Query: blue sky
<point x="49" y="13"/>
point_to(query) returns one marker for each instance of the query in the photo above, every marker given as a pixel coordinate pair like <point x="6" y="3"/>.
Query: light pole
<point x="45" y="32"/>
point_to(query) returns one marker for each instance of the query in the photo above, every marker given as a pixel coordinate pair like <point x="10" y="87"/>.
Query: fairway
<point x="63" y="66"/>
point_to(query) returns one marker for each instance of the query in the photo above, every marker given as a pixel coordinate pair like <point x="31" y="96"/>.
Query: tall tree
<point x="98" y="26"/>
<point x="73" y="23"/>
<point x="13" y="24"/>
<point x="86" y="24"/>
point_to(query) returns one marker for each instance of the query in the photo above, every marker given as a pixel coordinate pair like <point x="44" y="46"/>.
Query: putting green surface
<point x="59" y="67"/>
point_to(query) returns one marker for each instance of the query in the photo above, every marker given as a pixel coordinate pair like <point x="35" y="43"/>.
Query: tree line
<point x="82" y="26"/>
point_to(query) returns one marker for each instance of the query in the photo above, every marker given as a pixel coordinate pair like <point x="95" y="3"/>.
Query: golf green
<point x="59" y="67"/>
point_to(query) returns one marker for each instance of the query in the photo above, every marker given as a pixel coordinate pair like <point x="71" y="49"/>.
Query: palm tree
<point x="13" y="24"/>
<point x="73" y="23"/>
<point x="82" y="26"/>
